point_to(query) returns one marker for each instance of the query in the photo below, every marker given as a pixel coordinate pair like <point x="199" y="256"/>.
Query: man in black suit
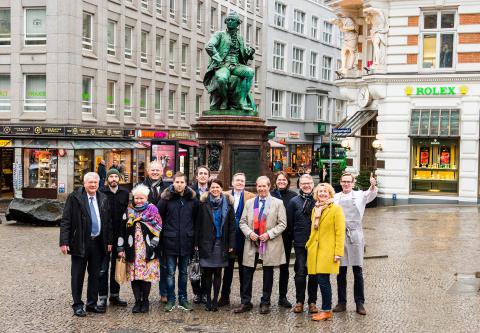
<point x="86" y="234"/>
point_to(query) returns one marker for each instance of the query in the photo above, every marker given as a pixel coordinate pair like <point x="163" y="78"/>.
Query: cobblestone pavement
<point x="413" y="290"/>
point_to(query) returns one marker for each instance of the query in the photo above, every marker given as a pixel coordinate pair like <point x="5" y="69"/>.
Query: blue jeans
<point x="162" y="286"/>
<point x="172" y="262"/>
<point x="326" y="291"/>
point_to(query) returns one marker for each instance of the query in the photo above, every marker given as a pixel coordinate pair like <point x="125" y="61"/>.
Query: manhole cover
<point x="465" y="284"/>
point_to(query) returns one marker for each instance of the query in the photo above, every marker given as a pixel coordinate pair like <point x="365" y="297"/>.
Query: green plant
<point x="363" y="180"/>
<point x="337" y="172"/>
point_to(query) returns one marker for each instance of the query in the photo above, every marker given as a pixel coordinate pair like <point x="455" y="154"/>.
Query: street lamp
<point x="377" y="145"/>
<point x="346" y="144"/>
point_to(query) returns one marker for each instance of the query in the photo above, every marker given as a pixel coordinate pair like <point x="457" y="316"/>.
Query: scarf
<point x="146" y="214"/>
<point x="308" y="202"/>
<point x="260" y="222"/>
<point x="318" y="210"/>
<point x="220" y="211"/>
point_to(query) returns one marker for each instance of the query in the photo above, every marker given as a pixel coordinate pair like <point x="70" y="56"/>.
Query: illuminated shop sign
<point x="436" y="90"/>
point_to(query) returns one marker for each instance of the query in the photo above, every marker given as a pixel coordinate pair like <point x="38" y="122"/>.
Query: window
<point x="171" y="52"/>
<point x="199" y="61"/>
<point x="111" y="97"/>
<point x="296" y="106"/>
<point x="249" y="4"/>
<point x="223" y="16"/>
<point x="143" y="47"/>
<point x="313" y="64"/>
<point x="185" y="11"/>
<point x="184" y="57"/>
<point x="172" y="8"/>
<point x="298" y="21"/>
<point x="87" y="37"/>
<point x="200" y="15"/>
<point x="158" y="101"/>
<point x="213" y="19"/>
<point x="128" y="42"/>
<point x="40" y="168"/>
<point x="143" y="101"/>
<point x="129" y="2"/>
<point x="314" y="27"/>
<point x="277" y="103"/>
<point x="258" y="6"/>
<point x="144" y="5"/>
<point x="87" y="94"/>
<point x="5" y="27"/>
<point x="35" y="93"/>
<point x="438" y="34"/>
<point x="297" y="61"/>
<point x="158" y="7"/>
<point x="258" y="38"/>
<point x="183" y="106"/>
<point x="327" y="32"/>
<point x="128" y="99"/>
<point x="4" y="93"/>
<point x="435" y="122"/>
<point x="321" y="100"/>
<point x="248" y="35"/>
<point x="198" y="105"/>
<point x="279" y="16"/>
<point x="326" y="68"/>
<point x="158" y="50"/>
<point x="35" y="26"/>
<point x="171" y="104"/>
<point x="278" y="56"/>
<point x="111" y="37"/>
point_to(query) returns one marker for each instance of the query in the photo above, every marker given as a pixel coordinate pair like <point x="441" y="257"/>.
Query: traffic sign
<point x="341" y="130"/>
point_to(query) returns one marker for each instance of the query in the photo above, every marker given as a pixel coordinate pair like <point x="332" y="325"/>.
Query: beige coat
<point x="276" y="224"/>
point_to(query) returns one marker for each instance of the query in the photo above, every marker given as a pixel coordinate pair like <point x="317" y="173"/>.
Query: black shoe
<point x="264" y="308"/>
<point x="79" y="312"/>
<point x="197" y="299"/>
<point x="243" y="308"/>
<point x="340" y="307"/>
<point x="95" y="309"/>
<point x="361" y="309"/>
<point x="117" y="301"/>
<point x="137" y="308"/>
<point x="284" y="303"/>
<point x="102" y="303"/>
<point x="203" y="299"/>
<point x="224" y="301"/>
<point x="214" y="306"/>
<point x="145" y="306"/>
<point x="208" y="306"/>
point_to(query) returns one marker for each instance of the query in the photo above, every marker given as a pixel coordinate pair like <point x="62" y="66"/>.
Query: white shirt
<point x="237" y="196"/>
<point x="97" y="212"/>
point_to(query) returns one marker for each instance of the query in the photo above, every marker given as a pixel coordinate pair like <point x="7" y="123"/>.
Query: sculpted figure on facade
<point x="378" y="34"/>
<point x="350" y="40"/>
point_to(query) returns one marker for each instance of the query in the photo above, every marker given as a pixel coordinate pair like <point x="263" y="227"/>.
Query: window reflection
<point x="446" y="49"/>
<point x="429" y="50"/>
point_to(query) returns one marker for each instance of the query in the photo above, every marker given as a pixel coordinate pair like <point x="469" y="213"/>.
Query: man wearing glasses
<point x="353" y="204"/>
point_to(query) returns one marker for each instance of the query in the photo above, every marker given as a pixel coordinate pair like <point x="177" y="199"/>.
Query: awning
<point x="190" y="143"/>
<point x="274" y="144"/>
<point x="356" y="122"/>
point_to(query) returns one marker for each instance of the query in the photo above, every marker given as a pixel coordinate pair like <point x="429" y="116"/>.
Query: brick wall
<point x="469" y="38"/>
<point x="412" y="59"/>
<point x="469" y="57"/>
<point x="470" y="18"/>
<point x="412" y="40"/>
<point x="413" y="21"/>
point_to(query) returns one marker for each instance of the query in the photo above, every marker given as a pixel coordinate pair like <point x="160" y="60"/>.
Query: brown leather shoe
<point x="243" y="308"/>
<point x="298" y="308"/>
<point x="361" y="309"/>
<point x="324" y="315"/>
<point x="163" y="299"/>
<point x="312" y="308"/>
<point x="340" y="307"/>
<point x="264" y="308"/>
<point x="223" y="302"/>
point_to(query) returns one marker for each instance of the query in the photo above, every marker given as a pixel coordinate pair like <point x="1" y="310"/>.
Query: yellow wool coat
<point x="326" y="241"/>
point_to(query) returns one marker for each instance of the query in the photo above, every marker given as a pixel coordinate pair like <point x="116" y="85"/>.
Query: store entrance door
<point x="6" y="173"/>
<point x="367" y="152"/>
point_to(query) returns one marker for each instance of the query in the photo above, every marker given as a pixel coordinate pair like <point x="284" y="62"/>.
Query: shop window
<point x="111" y="37"/>
<point x="120" y="159"/>
<point x="438" y="32"/>
<point x="35" y="93"/>
<point x="40" y="168"/>
<point x="87" y="34"/>
<point x="35" y="26"/>
<point x="5" y="27"/>
<point x="83" y="159"/>
<point x="435" y="122"/>
<point x="4" y="93"/>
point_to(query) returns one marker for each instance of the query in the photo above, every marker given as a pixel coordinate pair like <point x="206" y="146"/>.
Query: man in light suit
<point x="262" y="222"/>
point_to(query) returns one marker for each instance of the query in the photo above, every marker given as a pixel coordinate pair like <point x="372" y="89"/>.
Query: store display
<point x="41" y="168"/>
<point x="83" y="164"/>
<point x="120" y="159"/>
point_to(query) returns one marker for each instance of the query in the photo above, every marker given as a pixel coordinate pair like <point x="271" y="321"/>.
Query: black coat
<point x="102" y="173"/>
<point x="285" y="196"/>
<point x="178" y="216"/>
<point x="154" y="195"/>
<point x="76" y="222"/>
<point x="299" y="221"/>
<point x="194" y="186"/>
<point x="205" y="232"/>
<point x="118" y="202"/>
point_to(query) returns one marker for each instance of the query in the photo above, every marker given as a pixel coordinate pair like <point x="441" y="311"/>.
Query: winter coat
<point x="286" y="196"/>
<point x="76" y="224"/>
<point x="178" y="215"/>
<point x="154" y="194"/>
<point x="118" y="203"/>
<point x="298" y="221"/>
<point x="276" y="224"/>
<point x="239" y="236"/>
<point x="326" y="241"/>
<point x="205" y="232"/>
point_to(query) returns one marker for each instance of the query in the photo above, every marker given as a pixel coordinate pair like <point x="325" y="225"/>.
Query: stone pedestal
<point x="235" y="144"/>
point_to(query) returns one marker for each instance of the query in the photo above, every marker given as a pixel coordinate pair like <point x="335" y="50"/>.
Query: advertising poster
<point x="165" y="154"/>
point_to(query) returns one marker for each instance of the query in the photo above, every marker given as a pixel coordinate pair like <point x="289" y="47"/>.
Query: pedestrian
<point x="325" y="244"/>
<point x="118" y="202"/>
<point x="353" y="204"/>
<point x="137" y="242"/>
<point x="281" y="190"/>
<point x="263" y="221"/>
<point x="102" y="173"/>
<point x="241" y="196"/>
<point x="178" y="208"/>
<point x="299" y="212"/>
<point x="86" y="234"/>
<point x="214" y="238"/>
<point x="200" y="186"/>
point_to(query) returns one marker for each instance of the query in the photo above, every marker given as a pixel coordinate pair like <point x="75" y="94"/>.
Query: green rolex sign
<point x="436" y="90"/>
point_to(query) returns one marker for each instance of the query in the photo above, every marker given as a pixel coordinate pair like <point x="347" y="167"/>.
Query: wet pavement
<point x="414" y="289"/>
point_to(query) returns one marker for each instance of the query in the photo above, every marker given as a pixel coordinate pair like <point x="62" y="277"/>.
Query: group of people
<point x="164" y="225"/>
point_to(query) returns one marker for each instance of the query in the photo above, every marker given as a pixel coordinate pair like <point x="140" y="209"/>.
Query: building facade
<point x="303" y="50"/>
<point x="414" y="96"/>
<point x="82" y="81"/>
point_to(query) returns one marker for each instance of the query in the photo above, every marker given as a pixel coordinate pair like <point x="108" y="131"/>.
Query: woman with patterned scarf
<point x="137" y="242"/>
<point x="214" y="238"/>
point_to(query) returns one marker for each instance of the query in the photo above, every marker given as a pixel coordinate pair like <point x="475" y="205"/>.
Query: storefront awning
<point x="190" y="143"/>
<point x="274" y="144"/>
<point x="87" y="144"/>
<point x="356" y="122"/>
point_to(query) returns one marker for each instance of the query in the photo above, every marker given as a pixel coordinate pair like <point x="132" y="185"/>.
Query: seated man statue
<point x="228" y="78"/>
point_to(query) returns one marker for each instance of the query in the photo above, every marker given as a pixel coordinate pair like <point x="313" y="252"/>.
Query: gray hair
<point x="91" y="175"/>
<point x="140" y="189"/>
<point x="263" y="178"/>
<point x="306" y="176"/>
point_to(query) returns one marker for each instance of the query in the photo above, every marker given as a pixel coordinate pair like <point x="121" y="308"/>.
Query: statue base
<point x="230" y="112"/>
<point x="234" y="144"/>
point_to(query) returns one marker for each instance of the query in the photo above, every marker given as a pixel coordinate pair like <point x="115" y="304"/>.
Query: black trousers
<point x="91" y="262"/>
<point x="284" y="270"/>
<point x="228" y="275"/>
<point x="301" y="274"/>
<point x="358" y="292"/>
<point x="109" y="261"/>
<point x="246" y="290"/>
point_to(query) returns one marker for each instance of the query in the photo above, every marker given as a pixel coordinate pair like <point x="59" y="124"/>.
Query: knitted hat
<point x="113" y="172"/>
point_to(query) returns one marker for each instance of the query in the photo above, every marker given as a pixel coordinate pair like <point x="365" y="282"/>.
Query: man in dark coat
<point x="118" y="201"/>
<point x="154" y="182"/>
<point x="86" y="234"/>
<point x="102" y="173"/>
<point x="178" y="208"/>
<point x="299" y="215"/>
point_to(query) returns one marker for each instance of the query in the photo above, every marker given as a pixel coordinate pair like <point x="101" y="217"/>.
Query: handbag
<point x="121" y="271"/>
<point x="194" y="271"/>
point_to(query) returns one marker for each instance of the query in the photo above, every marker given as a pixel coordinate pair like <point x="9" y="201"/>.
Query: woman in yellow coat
<point x="325" y="245"/>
